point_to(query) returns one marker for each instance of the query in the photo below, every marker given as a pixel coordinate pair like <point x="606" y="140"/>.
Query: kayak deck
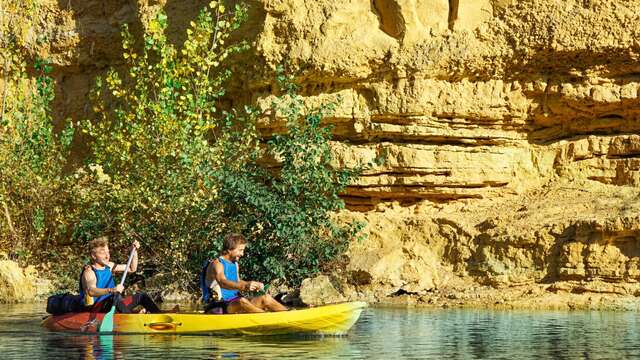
<point x="334" y="319"/>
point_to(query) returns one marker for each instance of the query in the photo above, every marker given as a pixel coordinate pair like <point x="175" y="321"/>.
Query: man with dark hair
<point x="98" y="288"/>
<point x="226" y="272"/>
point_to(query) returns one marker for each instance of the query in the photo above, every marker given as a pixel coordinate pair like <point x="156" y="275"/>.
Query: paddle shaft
<point x="107" y="322"/>
<point x="126" y="269"/>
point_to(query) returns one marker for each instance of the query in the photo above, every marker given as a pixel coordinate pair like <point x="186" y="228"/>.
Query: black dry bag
<point x="64" y="303"/>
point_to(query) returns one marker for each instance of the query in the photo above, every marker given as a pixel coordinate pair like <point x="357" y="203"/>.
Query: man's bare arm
<point x="227" y="284"/>
<point x="134" y="261"/>
<point x="89" y="282"/>
<point x="210" y="275"/>
<point x="251" y="285"/>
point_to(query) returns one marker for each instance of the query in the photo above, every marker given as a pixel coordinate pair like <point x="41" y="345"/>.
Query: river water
<point x="381" y="333"/>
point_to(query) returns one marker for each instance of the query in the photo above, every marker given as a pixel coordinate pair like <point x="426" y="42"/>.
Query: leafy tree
<point x="168" y="164"/>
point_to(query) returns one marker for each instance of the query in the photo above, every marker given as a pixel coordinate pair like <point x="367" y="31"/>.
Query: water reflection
<point x="381" y="333"/>
<point x="482" y="334"/>
<point x="109" y="347"/>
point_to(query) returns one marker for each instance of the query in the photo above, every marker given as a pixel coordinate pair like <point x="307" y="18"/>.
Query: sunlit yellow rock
<point x="18" y="284"/>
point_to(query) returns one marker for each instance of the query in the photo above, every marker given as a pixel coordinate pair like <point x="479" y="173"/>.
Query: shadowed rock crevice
<point x="453" y="13"/>
<point x="424" y="140"/>
<point x="391" y="20"/>
<point x="561" y="65"/>
<point x="572" y="116"/>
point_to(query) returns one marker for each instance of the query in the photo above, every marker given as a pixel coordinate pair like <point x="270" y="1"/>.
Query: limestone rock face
<point x="20" y="285"/>
<point x="320" y="291"/>
<point x="509" y="128"/>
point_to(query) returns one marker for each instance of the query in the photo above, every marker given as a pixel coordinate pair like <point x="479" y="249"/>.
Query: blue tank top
<point x="104" y="279"/>
<point x="231" y="273"/>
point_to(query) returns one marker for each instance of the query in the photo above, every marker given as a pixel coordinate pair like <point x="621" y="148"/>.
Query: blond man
<point x="98" y="287"/>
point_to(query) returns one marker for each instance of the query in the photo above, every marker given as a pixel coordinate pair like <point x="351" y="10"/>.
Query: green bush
<point x="158" y="136"/>
<point x="177" y="172"/>
<point x="287" y="208"/>
<point x="37" y="196"/>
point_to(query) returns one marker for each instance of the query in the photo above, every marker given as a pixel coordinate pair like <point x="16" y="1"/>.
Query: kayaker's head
<point x="99" y="248"/>
<point x="233" y="246"/>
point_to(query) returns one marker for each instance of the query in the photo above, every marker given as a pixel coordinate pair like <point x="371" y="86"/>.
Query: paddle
<point x="107" y="321"/>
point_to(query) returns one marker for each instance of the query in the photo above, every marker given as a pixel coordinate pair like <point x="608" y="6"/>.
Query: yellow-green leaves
<point x="160" y="135"/>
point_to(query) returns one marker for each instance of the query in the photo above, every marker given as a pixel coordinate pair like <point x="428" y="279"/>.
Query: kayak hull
<point x="334" y="319"/>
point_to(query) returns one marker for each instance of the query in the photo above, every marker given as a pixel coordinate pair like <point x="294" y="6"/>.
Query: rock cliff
<point x="510" y="130"/>
<point x="21" y="284"/>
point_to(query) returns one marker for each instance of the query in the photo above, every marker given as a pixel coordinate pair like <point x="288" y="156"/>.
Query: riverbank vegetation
<point x="168" y="164"/>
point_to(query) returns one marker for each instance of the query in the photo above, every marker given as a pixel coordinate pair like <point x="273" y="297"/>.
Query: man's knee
<point x="244" y="305"/>
<point x="244" y="301"/>
<point x="266" y="299"/>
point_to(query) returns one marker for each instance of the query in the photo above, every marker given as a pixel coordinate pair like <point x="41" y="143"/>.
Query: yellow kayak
<point x="334" y="319"/>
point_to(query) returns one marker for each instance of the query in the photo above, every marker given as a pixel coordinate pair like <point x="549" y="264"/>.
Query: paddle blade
<point x="107" y="321"/>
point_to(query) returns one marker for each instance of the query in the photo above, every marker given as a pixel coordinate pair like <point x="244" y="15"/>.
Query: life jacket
<point x="104" y="279"/>
<point x="213" y="292"/>
<point x="206" y="291"/>
<point x="231" y="273"/>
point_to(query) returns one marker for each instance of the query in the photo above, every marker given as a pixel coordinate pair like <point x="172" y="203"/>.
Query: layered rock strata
<point x="509" y="133"/>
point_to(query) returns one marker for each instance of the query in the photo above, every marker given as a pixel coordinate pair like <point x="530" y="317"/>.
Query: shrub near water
<point x="178" y="173"/>
<point x="288" y="211"/>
